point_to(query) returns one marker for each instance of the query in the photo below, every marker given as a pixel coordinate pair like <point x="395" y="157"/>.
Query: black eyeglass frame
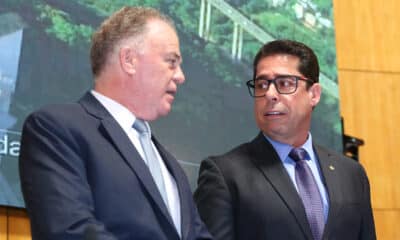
<point x="251" y="84"/>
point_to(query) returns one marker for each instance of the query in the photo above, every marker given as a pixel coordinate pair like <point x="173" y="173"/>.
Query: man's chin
<point x="166" y="110"/>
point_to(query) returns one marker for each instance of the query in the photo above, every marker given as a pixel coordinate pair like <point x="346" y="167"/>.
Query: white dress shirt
<point x="125" y="119"/>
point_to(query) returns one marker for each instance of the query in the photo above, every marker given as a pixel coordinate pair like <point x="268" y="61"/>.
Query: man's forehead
<point x="279" y="60"/>
<point x="164" y="38"/>
<point x="156" y="26"/>
<point x="282" y="57"/>
<point x="278" y="64"/>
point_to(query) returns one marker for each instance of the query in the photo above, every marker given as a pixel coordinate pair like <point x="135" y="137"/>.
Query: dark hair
<point x="308" y="60"/>
<point x="128" y="22"/>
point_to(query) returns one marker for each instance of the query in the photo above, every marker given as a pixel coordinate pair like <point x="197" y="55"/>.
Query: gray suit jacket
<point x="247" y="194"/>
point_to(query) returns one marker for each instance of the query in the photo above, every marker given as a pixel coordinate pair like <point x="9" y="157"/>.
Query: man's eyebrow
<point x="262" y="76"/>
<point x="175" y="55"/>
<point x="266" y="77"/>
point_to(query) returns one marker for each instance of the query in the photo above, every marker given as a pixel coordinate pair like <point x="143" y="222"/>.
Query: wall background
<point x="369" y="80"/>
<point x="369" y="83"/>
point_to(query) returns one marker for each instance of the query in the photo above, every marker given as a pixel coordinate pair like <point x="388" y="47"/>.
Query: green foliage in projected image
<point x="61" y="26"/>
<point x="284" y="27"/>
<point x="212" y="52"/>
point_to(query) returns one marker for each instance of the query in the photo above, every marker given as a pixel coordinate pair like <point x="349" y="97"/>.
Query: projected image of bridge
<point x="241" y="24"/>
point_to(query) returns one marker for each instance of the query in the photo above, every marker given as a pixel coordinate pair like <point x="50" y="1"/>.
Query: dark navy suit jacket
<point x="82" y="178"/>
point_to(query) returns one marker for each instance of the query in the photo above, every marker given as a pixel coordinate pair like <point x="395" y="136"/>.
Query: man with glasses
<point x="282" y="185"/>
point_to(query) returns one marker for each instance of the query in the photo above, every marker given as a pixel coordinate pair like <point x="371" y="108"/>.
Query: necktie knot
<point x="140" y="126"/>
<point x="298" y="154"/>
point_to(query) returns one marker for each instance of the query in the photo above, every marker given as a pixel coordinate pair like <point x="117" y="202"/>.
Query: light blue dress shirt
<point x="283" y="151"/>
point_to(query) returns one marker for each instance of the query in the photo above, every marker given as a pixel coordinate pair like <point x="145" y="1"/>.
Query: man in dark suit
<point x="281" y="185"/>
<point x="89" y="170"/>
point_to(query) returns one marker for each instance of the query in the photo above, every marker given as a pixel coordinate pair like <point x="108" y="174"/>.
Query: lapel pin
<point x="331" y="167"/>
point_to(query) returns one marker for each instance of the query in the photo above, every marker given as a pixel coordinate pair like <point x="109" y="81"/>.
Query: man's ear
<point x="315" y="94"/>
<point x="127" y="60"/>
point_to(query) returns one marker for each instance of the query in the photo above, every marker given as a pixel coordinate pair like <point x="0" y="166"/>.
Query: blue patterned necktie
<point x="151" y="157"/>
<point x="309" y="192"/>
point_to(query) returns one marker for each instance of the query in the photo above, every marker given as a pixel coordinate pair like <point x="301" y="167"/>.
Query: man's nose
<point x="179" y="77"/>
<point x="272" y="93"/>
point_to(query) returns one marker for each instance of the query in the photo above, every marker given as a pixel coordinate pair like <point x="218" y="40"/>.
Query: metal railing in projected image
<point x="240" y="23"/>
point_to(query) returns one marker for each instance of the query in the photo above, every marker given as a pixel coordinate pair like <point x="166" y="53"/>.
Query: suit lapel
<point x="180" y="180"/>
<point x="330" y="171"/>
<point x="121" y="142"/>
<point x="267" y="160"/>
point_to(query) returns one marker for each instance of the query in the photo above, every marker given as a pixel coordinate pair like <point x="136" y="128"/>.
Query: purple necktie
<point x="309" y="193"/>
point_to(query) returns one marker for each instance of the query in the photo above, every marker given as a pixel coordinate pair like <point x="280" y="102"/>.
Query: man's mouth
<point x="273" y="113"/>
<point x="171" y="92"/>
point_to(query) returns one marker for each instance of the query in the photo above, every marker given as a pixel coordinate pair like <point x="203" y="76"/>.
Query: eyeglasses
<point x="284" y="84"/>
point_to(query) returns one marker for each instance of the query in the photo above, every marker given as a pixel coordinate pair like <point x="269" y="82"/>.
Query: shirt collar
<point x="283" y="149"/>
<point x="121" y="114"/>
<point x="308" y="146"/>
